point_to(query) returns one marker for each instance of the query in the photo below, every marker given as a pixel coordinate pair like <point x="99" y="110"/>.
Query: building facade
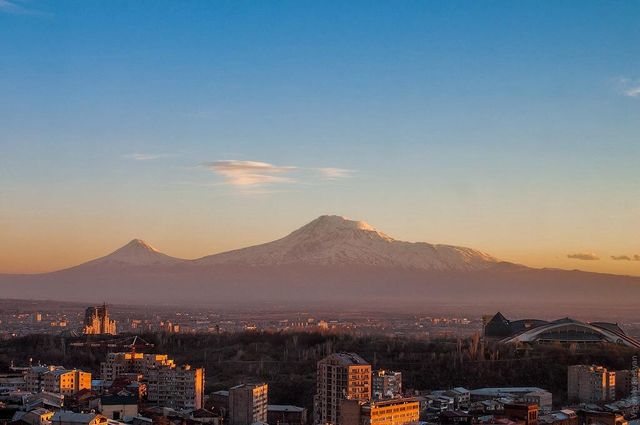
<point x="168" y="385"/>
<point x="118" y="364"/>
<point x="180" y="388"/>
<point x="590" y="384"/>
<point x="386" y="384"/>
<point x="397" y="411"/>
<point x="56" y="379"/>
<point x="340" y="376"/>
<point x="625" y="382"/>
<point x="248" y="404"/>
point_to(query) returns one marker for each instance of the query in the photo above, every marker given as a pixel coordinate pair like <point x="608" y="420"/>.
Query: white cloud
<point x="251" y="173"/>
<point x="331" y="173"/>
<point x="145" y="156"/>
<point x="15" y="7"/>
<point x="633" y="91"/>
<point x="628" y="87"/>
<point x="258" y="174"/>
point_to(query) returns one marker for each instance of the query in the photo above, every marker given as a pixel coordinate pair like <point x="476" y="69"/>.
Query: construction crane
<point x="130" y="343"/>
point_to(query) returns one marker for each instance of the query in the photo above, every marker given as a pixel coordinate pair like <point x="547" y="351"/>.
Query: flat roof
<point x="284" y="408"/>
<point x="506" y="390"/>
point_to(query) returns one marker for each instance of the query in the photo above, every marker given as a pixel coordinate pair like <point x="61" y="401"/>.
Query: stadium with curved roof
<point x="566" y="331"/>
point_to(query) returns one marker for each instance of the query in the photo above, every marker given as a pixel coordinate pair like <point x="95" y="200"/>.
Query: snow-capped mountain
<point x="330" y="261"/>
<point x="337" y="241"/>
<point x="135" y="253"/>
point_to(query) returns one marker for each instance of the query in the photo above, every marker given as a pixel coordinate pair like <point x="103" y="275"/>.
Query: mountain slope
<point x="337" y="241"/>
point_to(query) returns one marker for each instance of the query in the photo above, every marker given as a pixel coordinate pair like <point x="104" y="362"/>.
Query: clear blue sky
<point x="511" y="127"/>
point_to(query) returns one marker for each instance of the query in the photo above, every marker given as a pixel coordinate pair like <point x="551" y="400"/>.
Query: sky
<point x="202" y="126"/>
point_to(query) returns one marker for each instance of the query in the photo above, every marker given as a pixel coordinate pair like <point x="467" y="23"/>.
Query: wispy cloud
<point x="251" y="173"/>
<point x="583" y="256"/>
<point x="145" y="156"/>
<point x="635" y="257"/>
<point x="259" y="174"/>
<point x="331" y="173"/>
<point x="16" y="7"/>
<point x="621" y="258"/>
<point x="627" y="86"/>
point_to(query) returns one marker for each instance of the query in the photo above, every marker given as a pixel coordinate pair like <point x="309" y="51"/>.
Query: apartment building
<point x="118" y="364"/>
<point x="625" y="382"/>
<point x="248" y="404"/>
<point x="397" y="411"/>
<point x="168" y="385"/>
<point x="180" y="388"/>
<point x="386" y="384"/>
<point x="56" y="379"/>
<point x="340" y="376"/>
<point x="590" y="384"/>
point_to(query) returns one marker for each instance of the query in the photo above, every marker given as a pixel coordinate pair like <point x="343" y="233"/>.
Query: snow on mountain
<point x="135" y="253"/>
<point x="337" y="241"/>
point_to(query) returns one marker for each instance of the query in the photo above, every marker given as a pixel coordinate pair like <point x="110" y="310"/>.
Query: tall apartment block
<point x="168" y="385"/>
<point x="590" y="384"/>
<point x="248" y="404"/>
<point x="340" y="376"/>
<point x="386" y="384"/>
<point x="98" y="322"/>
<point x="180" y="387"/>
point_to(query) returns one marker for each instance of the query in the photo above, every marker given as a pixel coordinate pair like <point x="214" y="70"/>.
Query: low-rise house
<point x="65" y="417"/>
<point x="278" y="414"/>
<point x="38" y="416"/>
<point x="560" y="417"/>
<point x="118" y="407"/>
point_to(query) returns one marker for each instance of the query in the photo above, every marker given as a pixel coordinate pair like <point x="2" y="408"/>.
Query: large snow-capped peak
<point x="338" y="241"/>
<point x="135" y="253"/>
<point x="335" y="226"/>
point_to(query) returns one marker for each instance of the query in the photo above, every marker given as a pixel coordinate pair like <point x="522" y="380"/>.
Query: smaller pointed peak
<point x="140" y="244"/>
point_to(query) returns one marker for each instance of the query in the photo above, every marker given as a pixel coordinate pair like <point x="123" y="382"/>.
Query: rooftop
<point x="67" y="416"/>
<point x="506" y="390"/>
<point x="284" y="408"/>
<point x="348" y="359"/>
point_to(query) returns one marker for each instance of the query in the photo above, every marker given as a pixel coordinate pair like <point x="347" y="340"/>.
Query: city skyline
<point x="201" y="128"/>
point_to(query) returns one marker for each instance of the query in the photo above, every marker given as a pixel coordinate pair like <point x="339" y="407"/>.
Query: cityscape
<point x="112" y="371"/>
<point x="319" y="212"/>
